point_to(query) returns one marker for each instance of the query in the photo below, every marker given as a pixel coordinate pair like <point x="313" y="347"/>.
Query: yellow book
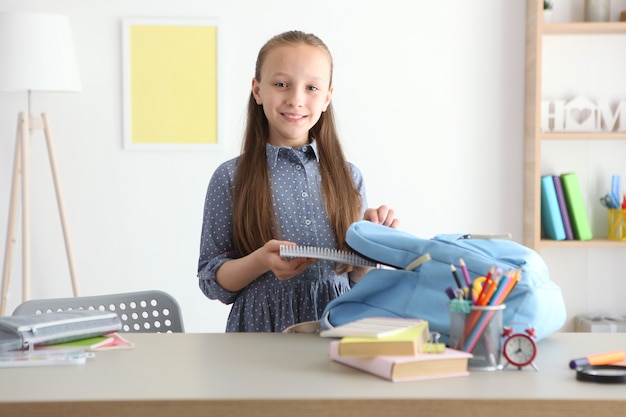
<point x="409" y="342"/>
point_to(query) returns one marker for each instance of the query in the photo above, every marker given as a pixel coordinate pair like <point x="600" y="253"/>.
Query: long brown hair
<point x="254" y="221"/>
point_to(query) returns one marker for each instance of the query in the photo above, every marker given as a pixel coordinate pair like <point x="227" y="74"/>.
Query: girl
<point x="290" y="185"/>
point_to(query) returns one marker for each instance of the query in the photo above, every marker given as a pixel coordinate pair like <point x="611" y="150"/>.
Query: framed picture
<point x="170" y="84"/>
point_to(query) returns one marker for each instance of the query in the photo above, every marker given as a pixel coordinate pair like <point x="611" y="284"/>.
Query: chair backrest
<point x="140" y="312"/>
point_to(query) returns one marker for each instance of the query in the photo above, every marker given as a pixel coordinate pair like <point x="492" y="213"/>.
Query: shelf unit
<point x="536" y="30"/>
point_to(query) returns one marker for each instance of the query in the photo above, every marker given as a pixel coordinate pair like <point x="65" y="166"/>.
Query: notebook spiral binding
<point x="339" y="256"/>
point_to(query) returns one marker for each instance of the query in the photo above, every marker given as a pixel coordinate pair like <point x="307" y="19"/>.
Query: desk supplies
<point x="56" y="357"/>
<point x="616" y="187"/>
<point x="26" y="331"/>
<point x="339" y="256"/>
<point x="92" y="344"/>
<point x="372" y="327"/>
<point x="466" y="275"/>
<point x="408" y="342"/>
<point x="476" y="327"/>
<point x="456" y="276"/>
<point x="607" y="374"/>
<point x="87" y="344"/>
<point x="479" y="332"/>
<point x="450" y="363"/>
<point x="605" y="358"/>
<point x="519" y="348"/>
<point x="616" y="224"/>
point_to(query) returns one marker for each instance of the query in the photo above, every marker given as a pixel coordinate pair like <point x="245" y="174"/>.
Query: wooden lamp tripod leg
<point x="57" y="187"/>
<point x="21" y="168"/>
<point x="10" y="242"/>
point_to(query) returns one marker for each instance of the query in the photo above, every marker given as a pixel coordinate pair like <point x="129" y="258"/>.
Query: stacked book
<point x="394" y="349"/>
<point x="563" y="212"/>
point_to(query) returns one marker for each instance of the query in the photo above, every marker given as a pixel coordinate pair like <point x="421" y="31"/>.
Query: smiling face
<point x="294" y="89"/>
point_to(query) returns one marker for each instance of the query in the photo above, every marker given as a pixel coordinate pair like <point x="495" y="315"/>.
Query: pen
<point x="487" y="236"/>
<point x="456" y="276"/>
<point x="450" y="293"/>
<point x="605" y="358"/>
<point x="507" y="287"/>
<point x="493" y="286"/>
<point x="616" y="185"/>
<point x="485" y="284"/>
<point x="466" y="275"/>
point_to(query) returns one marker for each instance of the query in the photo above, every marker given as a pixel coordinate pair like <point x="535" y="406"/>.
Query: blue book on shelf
<point x="551" y="219"/>
<point x="560" y="196"/>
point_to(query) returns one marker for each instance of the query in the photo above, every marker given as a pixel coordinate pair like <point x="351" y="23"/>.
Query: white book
<point x="374" y="327"/>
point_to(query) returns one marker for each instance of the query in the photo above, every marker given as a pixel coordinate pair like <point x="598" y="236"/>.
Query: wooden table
<point x="255" y="374"/>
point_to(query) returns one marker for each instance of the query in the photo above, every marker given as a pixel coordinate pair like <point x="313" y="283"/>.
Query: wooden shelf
<point x="594" y="243"/>
<point x="536" y="31"/>
<point x="582" y="135"/>
<point x="584" y="28"/>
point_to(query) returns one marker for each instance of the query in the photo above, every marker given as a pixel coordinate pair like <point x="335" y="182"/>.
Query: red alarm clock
<point x="519" y="349"/>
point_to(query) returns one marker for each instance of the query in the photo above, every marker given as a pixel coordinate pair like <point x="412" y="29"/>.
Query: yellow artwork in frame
<point x="170" y="84"/>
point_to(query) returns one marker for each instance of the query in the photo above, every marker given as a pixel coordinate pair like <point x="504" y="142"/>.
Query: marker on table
<point x="605" y="358"/>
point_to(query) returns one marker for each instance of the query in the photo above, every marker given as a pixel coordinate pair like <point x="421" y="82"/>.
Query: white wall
<point x="429" y="98"/>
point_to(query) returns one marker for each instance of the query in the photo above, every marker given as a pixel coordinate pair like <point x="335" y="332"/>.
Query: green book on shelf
<point x="576" y="206"/>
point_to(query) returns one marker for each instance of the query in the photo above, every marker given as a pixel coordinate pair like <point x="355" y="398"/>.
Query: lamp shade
<point x="37" y="53"/>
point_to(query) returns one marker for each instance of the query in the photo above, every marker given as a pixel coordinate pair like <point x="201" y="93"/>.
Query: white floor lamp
<point x="37" y="54"/>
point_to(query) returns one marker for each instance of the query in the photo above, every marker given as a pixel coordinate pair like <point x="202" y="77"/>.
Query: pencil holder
<point x="617" y="228"/>
<point x="479" y="332"/>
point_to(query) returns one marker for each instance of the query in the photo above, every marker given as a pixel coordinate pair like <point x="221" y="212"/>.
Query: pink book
<point x="450" y="363"/>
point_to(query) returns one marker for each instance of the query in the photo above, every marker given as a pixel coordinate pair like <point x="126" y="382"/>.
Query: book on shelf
<point x="372" y="327"/>
<point x="450" y="363"/>
<point x="551" y="219"/>
<point x="576" y="206"/>
<point x="408" y="342"/>
<point x="560" y="196"/>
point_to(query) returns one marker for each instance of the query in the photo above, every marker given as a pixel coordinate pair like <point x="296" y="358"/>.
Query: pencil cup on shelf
<point x="479" y="332"/>
<point x="617" y="228"/>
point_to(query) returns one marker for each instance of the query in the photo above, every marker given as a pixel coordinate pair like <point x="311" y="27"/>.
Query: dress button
<point x="298" y="167"/>
<point x="305" y="194"/>
<point x="307" y="222"/>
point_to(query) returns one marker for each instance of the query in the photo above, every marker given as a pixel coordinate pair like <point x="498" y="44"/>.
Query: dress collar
<point x="304" y="151"/>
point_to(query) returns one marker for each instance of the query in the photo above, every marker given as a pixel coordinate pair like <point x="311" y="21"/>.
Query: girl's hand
<point x="284" y="268"/>
<point x="382" y="215"/>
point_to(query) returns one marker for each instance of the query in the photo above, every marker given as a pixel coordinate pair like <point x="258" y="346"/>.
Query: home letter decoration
<point x="582" y="115"/>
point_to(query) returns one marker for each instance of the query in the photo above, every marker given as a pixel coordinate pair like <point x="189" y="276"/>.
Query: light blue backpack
<point x="420" y="292"/>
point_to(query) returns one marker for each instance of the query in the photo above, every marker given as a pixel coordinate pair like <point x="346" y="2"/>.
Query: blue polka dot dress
<point x="268" y="304"/>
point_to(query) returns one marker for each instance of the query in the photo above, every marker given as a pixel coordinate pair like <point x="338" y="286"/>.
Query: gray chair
<point x="140" y="312"/>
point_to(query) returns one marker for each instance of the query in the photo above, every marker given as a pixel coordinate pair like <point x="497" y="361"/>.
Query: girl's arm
<point x="236" y="274"/>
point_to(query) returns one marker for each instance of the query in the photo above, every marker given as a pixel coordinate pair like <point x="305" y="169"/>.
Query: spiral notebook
<point x="339" y="256"/>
